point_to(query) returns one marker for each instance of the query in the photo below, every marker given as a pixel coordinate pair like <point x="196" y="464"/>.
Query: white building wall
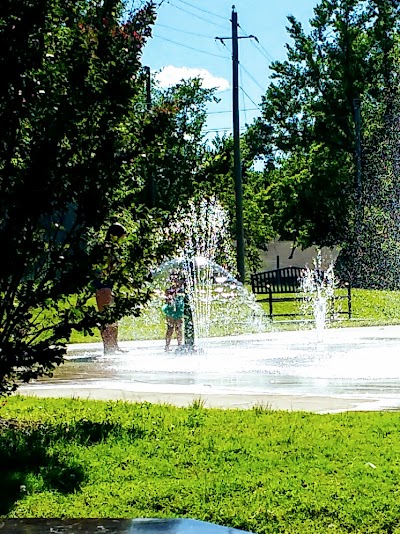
<point x="301" y="258"/>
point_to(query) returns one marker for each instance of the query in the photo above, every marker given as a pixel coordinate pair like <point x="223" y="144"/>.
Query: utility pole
<point x="152" y="181"/>
<point x="240" y="250"/>
<point x="237" y="165"/>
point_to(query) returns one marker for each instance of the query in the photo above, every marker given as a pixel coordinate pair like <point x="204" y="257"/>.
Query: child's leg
<point x="168" y="335"/>
<point x="109" y="336"/>
<point x="179" y="330"/>
<point x="109" y="333"/>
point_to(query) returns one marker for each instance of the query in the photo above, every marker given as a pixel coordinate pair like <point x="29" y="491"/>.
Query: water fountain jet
<point x="318" y="287"/>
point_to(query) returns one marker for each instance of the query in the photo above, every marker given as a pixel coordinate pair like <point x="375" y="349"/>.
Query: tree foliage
<point x="177" y="150"/>
<point x="70" y="163"/>
<point x="375" y="253"/>
<point x="308" y="112"/>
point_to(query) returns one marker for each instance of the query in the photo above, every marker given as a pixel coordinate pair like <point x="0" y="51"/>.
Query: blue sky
<point x="184" y="42"/>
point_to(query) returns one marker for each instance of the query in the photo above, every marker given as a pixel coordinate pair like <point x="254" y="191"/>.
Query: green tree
<point x="376" y="248"/>
<point x="70" y="163"/>
<point x="178" y="148"/>
<point x="308" y="112"/>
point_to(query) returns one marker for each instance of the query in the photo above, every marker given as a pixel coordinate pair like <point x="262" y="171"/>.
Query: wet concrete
<point x="345" y="369"/>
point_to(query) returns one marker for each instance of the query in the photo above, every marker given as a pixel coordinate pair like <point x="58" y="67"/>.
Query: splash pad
<point x="352" y="369"/>
<point x="243" y="362"/>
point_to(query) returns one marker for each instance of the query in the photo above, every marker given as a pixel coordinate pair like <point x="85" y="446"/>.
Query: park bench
<point x="284" y="285"/>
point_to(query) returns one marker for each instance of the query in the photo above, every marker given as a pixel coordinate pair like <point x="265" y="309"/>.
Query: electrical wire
<point x="230" y="111"/>
<point x="244" y="68"/>
<point x="263" y="51"/>
<point x="211" y="54"/>
<point x="227" y="129"/>
<point x="203" y="10"/>
<point x="183" y="31"/>
<point x="220" y="42"/>
<point x="252" y="78"/>
<point x="189" y="47"/>
<point x="249" y="97"/>
<point x="244" y="105"/>
<point x="194" y="15"/>
<point x="268" y="58"/>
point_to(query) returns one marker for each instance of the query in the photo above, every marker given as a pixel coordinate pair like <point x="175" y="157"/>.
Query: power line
<point x="189" y="47"/>
<point x="252" y="77"/>
<point x="260" y="47"/>
<point x="244" y="105"/>
<point x="230" y="111"/>
<point x="221" y="42"/>
<point x="257" y="46"/>
<point x="227" y="129"/>
<point x="267" y="57"/>
<point x="183" y="31"/>
<point x="224" y="90"/>
<point x="203" y="10"/>
<point x="249" y="97"/>
<point x="248" y="73"/>
<point x="194" y="15"/>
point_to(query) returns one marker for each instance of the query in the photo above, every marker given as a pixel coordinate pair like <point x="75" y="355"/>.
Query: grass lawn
<point x="258" y="470"/>
<point x="370" y="307"/>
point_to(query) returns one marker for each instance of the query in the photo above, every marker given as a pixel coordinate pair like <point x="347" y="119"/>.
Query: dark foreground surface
<point x="112" y="526"/>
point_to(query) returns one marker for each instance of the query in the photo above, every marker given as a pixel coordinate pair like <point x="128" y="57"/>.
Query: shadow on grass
<point x="37" y="451"/>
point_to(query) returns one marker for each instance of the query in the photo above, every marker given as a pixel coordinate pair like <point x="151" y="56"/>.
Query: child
<point x="174" y="309"/>
<point x="104" y="294"/>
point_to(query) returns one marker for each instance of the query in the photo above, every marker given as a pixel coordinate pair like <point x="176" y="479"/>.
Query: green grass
<point x="370" y="307"/>
<point x="257" y="470"/>
<point x="381" y="307"/>
<point x="130" y="328"/>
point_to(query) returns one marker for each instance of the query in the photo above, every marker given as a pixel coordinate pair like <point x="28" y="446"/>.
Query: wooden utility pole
<point x="237" y="161"/>
<point x="237" y="168"/>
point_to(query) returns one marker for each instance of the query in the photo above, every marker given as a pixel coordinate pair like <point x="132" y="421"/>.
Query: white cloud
<point x="171" y="75"/>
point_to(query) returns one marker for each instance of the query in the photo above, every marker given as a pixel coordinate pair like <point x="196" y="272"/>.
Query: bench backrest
<point x="285" y="280"/>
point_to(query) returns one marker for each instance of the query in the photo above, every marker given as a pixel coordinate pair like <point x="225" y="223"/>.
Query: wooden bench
<point x="280" y="282"/>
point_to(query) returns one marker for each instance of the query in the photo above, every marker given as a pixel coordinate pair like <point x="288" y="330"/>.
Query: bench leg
<point x="271" y="315"/>
<point x="349" y="300"/>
